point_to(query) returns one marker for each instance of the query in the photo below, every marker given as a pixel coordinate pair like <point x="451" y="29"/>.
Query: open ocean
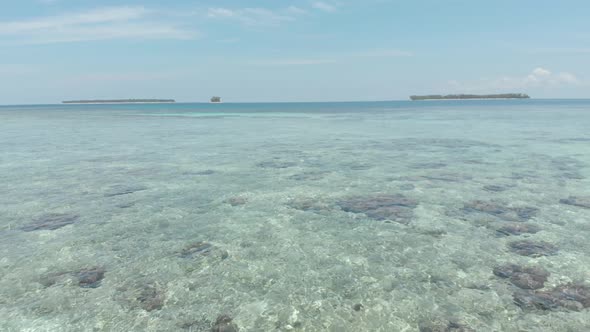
<point x="371" y="216"/>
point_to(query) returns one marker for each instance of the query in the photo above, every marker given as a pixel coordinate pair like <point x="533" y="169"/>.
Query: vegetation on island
<point x="118" y="101"/>
<point x="467" y="96"/>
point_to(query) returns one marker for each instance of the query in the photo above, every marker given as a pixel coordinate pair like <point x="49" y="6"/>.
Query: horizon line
<point x="286" y="102"/>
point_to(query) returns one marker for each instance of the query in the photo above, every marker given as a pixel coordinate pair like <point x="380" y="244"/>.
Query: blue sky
<point x="300" y="50"/>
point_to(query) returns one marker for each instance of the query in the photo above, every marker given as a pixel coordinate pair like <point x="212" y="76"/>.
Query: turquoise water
<point x="388" y="216"/>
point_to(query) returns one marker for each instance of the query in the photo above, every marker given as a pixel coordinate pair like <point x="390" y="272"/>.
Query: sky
<point x="299" y="50"/>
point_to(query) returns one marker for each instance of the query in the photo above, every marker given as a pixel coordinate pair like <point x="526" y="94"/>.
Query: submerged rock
<point x="238" y="200"/>
<point x="276" y="164"/>
<point x="196" y="249"/>
<point x="205" y="172"/>
<point x="428" y="165"/>
<point x="357" y="307"/>
<point x="522" y="276"/>
<point x="358" y="166"/>
<point x="574" y="297"/>
<point x="224" y="324"/>
<point x="151" y="297"/>
<point x="444" y="326"/>
<point x="308" y="176"/>
<point x="396" y="207"/>
<point x="86" y="278"/>
<point x="581" y="201"/>
<point x="573" y="176"/>
<point x="500" y="210"/>
<point x="90" y="278"/>
<point x="447" y="177"/>
<point x="125" y="205"/>
<point x="308" y="204"/>
<point x="533" y="248"/>
<point x="518" y="229"/>
<point x="50" y="222"/>
<point x="119" y="190"/>
<point x="495" y="188"/>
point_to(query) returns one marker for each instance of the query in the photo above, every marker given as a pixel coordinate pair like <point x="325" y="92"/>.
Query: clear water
<point x="196" y="210"/>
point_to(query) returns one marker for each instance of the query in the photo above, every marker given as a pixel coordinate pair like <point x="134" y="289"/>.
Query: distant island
<point x="118" y="101"/>
<point x="215" y="99"/>
<point x="464" y="96"/>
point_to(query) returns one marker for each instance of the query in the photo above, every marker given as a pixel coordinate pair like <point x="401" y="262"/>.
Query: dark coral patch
<point x="276" y="164"/>
<point x="151" y="297"/>
<point x="196" y="249"/>
<point x="120" y="190"/>
<point x="575" y="297"/>
<point x="518" y="229"/>
<point x="224" y="324"/>
<point x="308" y="176"/>
<point x="581" y="201"/>
<point x="381" y="207"/>
<point x="51" y="221"/>
<point x="86" y="278"/>
<point x="501" y="211"/>
<point x="90" y="278"/>
<point x="238" y="200"/>
<point x="495" y="188"/>
<point x="428" y="165"/>
<point x="523" y="277"/>
<point x="533" y="248"/>
<point x="444" y="326"/>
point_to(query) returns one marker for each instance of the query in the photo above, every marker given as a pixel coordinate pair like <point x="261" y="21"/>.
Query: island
<point x="119" y="101"/>
<point x="216" y="99"/>
<point x="466" y="96"/>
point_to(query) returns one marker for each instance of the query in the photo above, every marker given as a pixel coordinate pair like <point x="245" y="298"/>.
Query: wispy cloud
<point x="562" y="50"/>
<point x="537" y="78"/>
<point x="334" y="58"/>
<point x="255" y="16"/>
<point x="382" y="54"/>
<point x="99" y="24"/>
<point x="324" y="6"/>
<point x="292" y="62"/>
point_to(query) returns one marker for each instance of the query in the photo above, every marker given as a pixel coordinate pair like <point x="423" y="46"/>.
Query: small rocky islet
<point x="50" y="222"/>
<point x="396" y="207"/>
<point x="524" y="277"/>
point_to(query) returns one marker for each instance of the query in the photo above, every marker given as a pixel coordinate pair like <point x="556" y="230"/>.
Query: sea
<point x="362" y="216"/>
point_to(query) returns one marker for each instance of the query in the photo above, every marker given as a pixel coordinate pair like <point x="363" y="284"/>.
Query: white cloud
<point x="98" y="24"/>
<point x="255" y="16"/>
<point x="541" y="72"/>
<point x="537" y="78"/>
<point x="296" y="10"/>
<point x="323" y="6"/>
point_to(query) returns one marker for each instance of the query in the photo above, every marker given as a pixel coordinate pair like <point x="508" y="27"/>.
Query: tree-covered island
<point x="469" y="96"/>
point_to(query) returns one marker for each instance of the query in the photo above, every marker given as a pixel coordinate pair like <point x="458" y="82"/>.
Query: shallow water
<point x="305" y="217"/>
